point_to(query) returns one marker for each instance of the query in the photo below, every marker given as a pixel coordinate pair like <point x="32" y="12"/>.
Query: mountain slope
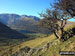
<point x="9" y="33"/>
<point x="22" y="22"/>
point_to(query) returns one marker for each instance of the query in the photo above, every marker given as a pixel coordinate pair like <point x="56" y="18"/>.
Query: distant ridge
<point x="12" y="18"/>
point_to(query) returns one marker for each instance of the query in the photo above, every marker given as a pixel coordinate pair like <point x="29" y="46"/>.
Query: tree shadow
<point x="68" y="34"/>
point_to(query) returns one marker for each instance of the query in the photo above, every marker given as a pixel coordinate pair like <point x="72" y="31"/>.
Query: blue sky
<point x="27" y="7"/>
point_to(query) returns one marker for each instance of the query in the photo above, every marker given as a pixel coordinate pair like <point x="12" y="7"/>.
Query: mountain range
<point x="12" y="18"/>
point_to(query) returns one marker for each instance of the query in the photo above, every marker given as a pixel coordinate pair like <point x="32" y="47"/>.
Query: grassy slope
<point x="32" y="43"/>
<point x="68" y="45"/>
<point x="53" y="50"/>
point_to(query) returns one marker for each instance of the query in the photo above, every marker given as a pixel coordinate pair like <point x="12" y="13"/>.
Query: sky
<point x="24" y="7"/>
<point x="28" y="7"/>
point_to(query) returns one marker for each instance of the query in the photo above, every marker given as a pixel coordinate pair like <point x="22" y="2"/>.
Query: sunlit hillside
<point x="39" y="43"/>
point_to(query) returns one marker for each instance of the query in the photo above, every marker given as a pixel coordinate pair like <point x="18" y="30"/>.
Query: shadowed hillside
<point x="9" y="33"/>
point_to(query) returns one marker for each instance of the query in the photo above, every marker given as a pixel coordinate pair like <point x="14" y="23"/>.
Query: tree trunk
<point x="62" y="32"/>
<point x="56" y="35"/>
<point x="64" y="22"/>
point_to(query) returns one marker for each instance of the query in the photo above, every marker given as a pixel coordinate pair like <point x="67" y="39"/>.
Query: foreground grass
<point x="32" y="43"/>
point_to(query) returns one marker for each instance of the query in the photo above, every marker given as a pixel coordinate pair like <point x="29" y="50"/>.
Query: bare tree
<point x="54" y="20"/>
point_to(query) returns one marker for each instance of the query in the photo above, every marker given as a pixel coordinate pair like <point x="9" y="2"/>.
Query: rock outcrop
<point x="27" y="51"/>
